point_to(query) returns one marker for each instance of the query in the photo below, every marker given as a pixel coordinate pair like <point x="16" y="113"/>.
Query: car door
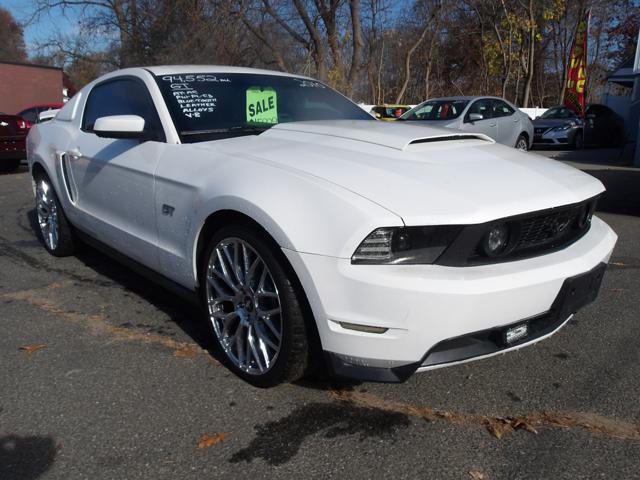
<point x="487" y="124"/>
<point x="508" y="121"/>
<point x="114" y="177"/>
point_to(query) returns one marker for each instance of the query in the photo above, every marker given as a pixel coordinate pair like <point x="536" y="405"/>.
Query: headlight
<point x="563" y="128"/>
<point x="405" y="245"/>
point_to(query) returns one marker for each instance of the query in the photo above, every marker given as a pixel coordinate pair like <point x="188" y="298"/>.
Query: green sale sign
<point x="262" y="105"/>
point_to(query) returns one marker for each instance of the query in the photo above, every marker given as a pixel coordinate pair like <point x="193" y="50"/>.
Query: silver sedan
<point x="493" y="116"/>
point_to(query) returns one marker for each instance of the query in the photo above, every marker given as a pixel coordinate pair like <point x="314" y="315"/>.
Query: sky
<point x="45" y="26"/>
<point x="49" y="23"/>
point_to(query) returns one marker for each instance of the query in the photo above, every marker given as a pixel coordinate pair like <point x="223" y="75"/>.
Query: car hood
<point x="553" y="122"/>
<point x="425" y="175"/>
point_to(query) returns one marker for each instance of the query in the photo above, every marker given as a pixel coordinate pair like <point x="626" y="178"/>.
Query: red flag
<point x="577" y="71"/>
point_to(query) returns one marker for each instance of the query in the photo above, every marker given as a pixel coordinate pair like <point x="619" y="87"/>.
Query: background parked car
<point x="32" y="113"/>
<point x="560" y="126"/>
<point x="492" y="116"/>
<point x="389" y="112"/>
<point x="13" y="132"/>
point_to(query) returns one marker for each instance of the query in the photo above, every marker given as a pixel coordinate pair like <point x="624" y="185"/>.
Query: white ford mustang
<point x="308" y="230"/>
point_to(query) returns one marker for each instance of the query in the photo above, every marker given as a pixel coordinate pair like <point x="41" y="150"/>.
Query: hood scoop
<point x="446" y="138"/>
<point x="396" y="135"/>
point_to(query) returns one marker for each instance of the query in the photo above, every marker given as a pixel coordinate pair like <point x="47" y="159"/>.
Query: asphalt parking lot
<point x="114" y="380"/>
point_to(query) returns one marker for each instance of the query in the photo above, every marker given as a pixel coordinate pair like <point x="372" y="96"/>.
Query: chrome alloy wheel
<point x="244" y="306"/>
<point x="47" y="214"/>
<point x="522" y="144"/>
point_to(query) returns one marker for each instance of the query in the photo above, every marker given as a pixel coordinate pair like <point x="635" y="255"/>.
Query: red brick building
<point x="23" y="84"/>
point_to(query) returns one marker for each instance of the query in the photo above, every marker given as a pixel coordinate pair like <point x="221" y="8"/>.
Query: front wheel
<point x="578" y="141"/>
<point x="54" y="227"/>
<point x="253" y="307"/>
<point x="522" y="143"/>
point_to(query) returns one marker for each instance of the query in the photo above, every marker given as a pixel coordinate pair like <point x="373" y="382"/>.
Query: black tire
<point x="292" y="359"/>
<point x="617" y="139"/>
<point x="9" y="165"/>
<point x="522" y="143"/>
<point x="65" y="244"/>
<point x="578" y="141"/>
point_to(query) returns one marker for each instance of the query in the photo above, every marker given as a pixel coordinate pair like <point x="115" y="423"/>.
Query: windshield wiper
<point x="224" y="130"/>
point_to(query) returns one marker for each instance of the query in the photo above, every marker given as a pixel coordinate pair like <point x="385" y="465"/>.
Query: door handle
<point x="74" y="153"/>
<point x="492" y="124"/>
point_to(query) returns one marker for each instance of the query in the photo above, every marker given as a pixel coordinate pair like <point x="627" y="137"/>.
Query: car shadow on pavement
<point x="185" y="315"/>
<point x="20" y="169"/>
<point x="623" y="190"/>
<point x="25" y="458"/>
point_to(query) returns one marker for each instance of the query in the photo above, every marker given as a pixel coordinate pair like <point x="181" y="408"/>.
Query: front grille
<point x="541" y="229"/>
<point x="531" y="234"/>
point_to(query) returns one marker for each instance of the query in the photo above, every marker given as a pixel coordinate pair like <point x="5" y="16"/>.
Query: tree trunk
<point x="407" y="58"/>
<point x="532" y="43"/>
<point x="356" y="57"/>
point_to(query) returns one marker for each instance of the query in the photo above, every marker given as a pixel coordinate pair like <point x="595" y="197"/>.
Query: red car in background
<point x="32" y="113"/>
<point x="13" y="132"/>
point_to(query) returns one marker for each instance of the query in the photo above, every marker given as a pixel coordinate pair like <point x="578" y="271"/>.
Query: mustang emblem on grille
<point x="4" y="124"/>
<point x="558" y="225"/>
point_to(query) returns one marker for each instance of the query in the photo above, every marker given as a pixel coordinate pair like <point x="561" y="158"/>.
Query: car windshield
<point x="558" y="113"/>
<point x="211" y="106"/>
<point x="436" y="110"/>
<point x="389" y="112"/>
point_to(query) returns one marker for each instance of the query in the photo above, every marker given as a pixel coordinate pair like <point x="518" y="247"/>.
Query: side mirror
<point x="120" y="126"/>
<point x="48" y="114"/>
<point x="474" y="117"/>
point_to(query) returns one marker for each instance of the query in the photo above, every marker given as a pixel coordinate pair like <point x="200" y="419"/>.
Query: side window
<point x="424" y="112"/>
<point x="30" y="115"/>
<point x="482" y="106"/>
<point x="502" y="109"/>
<point x="124" y="96"/>
<point x="599" y="111"/>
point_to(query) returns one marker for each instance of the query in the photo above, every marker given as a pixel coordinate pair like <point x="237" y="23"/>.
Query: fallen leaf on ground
<point x="187" y="351"/>
<point x="617" y="290"/>
<point x="34" y="347"/>
<point x="207" y="440"/>
<point x="498" y="427"/>
<point x="523" y="423"/>
<point x="478" y="475"/>
<point x="617" y="264"/>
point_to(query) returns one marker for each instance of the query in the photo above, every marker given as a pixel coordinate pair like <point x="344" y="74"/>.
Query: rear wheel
<point x="54" y="227"/>
<point x="522" y="143"/>
<point x="253" y="307"/>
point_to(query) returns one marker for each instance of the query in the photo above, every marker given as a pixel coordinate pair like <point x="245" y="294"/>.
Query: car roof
<point x="37" y="105"/>
<point x="192" y="69"/>
<point x="466" y="97"/>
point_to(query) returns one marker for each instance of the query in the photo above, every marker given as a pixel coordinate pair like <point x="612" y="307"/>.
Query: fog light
<point x="496" y="240"/>
<point x="513" y="334"/>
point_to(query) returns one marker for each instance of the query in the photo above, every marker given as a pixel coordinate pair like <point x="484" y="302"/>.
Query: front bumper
<point x="423" y="306"/>
<point x="554" y="137"/>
